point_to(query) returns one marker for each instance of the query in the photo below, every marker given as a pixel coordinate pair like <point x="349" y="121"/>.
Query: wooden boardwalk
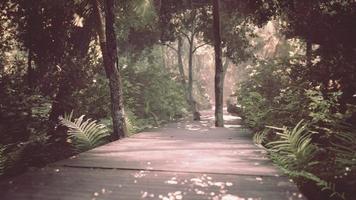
<point x="185" y="160"/>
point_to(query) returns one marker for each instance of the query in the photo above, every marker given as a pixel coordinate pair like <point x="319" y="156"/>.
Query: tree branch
<point x="169" y="46"/>
<point x="186" y="35"/>
<point x="197" y="47"/>
<point x="226" y="65"/>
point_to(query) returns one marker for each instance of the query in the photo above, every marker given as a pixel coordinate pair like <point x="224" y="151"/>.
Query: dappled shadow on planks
<point x="184" y="160"/>
<point x="78" y="183"/>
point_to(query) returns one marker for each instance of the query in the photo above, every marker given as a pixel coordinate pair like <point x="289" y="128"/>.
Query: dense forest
<point x="77" y="74"/>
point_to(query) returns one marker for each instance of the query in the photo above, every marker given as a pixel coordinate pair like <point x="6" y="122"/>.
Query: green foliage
<point x="320" y="107"/>
<point x="137" y="26"/>
<point x="254" y="108"/>
<point x="345" y="147"/>
<point x="20" y="106"/>
<point x="282" y="92"/>
<point x="152" y="94"/>
<point x="47" y="69"/>
<point x="263" y="137"/>
<point x="295" y="154"/>
<point x="294" y="149"/>
<point x="84" y="134"/>
<point x="135" y="124"/>
<point x="259" y="138"/>
<point x="151" y="91"/>
<point x="16" y="157"/>
<point x="269" y="95"/>
<point x="50" y="65"/>
<point x="324" y="185"/>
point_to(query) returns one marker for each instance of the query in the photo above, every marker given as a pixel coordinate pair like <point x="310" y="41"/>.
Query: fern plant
<point x="84" y="134"/>
<point x="324" y="185"/>
<point x="2" y="160"/>
<point x="294" y="150"/>
<point x="260" y="137"/>
<point x="345" y="148"/>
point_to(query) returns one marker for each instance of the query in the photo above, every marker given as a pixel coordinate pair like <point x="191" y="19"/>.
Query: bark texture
<point x="309" y="53"/>
<point x="180" y="62"/>
<point x="219" y="70"/>
<point x="190" y="69"/>
<point x="30" y="70"/>
<point x="107" y="37"/>
<point x="225" y="66"/>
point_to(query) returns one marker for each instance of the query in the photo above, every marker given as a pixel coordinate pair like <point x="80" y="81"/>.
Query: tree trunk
<point x="107" y="37"/>
<point x="180" y="62"/>
<point x="309" y="53"/>
<point x="30" y="70"/>
<point x="190" y="69"/>
<point x="190" y="61"/>
<point x="225" y="66"/>
<point x="113" y="73"/>
<point x="219" y="71"/>
<point x="61" y="104"/>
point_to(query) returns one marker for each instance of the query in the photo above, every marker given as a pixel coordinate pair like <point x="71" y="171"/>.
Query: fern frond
<point x="345" y="148"/>
<point x="324" y="185"/>
<point x="84" y="134"/>
<point x="259" y="137"/>
<point x="294" y="149"/>
<point x="2" y="160"/>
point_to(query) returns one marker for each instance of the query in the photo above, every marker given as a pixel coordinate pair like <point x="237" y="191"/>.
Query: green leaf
<point x="294" y="148"/>
<point x="84" y="134"/>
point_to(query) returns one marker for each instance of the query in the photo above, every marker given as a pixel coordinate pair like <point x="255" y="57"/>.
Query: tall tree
<point x="188" y="24"/>
<point x="107" y="37"/>
<point x="180" y="62"/>
<point x="219" y="70"/>
<point x="188" y="29"/>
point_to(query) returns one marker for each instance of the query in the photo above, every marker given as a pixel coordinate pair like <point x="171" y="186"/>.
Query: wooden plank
<point x="184" y="160"/>
<point x="194" y="132"/>
<point x="183" y="147"/>
<point x="78" y="184"/>
<point x="225" y="157"/>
